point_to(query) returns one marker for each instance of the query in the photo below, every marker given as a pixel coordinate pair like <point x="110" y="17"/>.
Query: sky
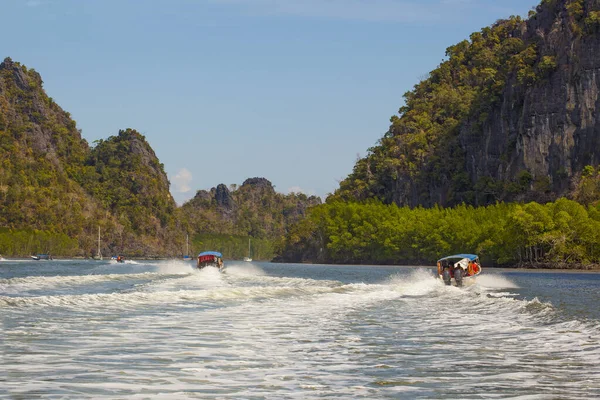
<point x="224" y="90"/>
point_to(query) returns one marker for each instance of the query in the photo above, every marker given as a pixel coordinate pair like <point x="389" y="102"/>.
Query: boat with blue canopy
<point x="210" y="259"/>
<point x="458" y="267"/>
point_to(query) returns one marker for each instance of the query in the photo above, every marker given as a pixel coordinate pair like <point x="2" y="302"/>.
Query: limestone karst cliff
<point x="52" y="180"/>
<point x="511" y="115"/>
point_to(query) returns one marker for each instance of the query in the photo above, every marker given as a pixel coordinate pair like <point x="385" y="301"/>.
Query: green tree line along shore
<point x="562" y="233"/>
<point x="559" y="233"/>
<point x="24" y="242"/>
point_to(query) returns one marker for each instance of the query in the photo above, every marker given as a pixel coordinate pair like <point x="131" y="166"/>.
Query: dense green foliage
<point x="588" y="188"/>
<point x="51" y="180"/>
<point x="421" y="143"/>
<point x="502" y="234"/>
<point x="53" y="187"/>
<point x="123" y="173"/>
<point x="40" y="152"/>
<point x="128" y="184"/>
<point x="20" y="242"/>
<point x="227" y="217"/>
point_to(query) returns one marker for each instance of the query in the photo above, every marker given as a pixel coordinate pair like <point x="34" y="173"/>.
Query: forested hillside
<point x="235" y="214"/>
<point x="52" y="183"/>
<point x="41" y="152"/>
<point x="509" y="116"/>
<point x="124" y="174"/>
<point x="56" y="191"/>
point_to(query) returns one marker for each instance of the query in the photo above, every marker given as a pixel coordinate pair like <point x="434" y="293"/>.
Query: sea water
<point x="163" y="330"/>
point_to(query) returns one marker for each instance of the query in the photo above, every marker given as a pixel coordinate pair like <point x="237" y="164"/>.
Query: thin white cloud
<point x="182" y="180"/>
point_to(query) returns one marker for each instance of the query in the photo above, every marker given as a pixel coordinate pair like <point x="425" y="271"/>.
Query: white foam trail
<point x="242" y="335"/>
<point x="132" y="262"/>
<point x="209" y="273"/>
<point x="244" y="270"/>
<point x="494" y="281"/>
<point x="15" y="285"/>
<point x="175" y="267"/>
<point x="418" y="283"/>
<point x="137" y="298"/>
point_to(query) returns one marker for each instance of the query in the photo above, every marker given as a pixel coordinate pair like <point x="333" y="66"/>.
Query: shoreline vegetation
<point x="560" y="234"/>
<point x="23" y="243"/>
<point x="557" y="267"/>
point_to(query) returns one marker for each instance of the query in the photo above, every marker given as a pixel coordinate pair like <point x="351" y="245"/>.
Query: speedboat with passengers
<point x="458" y="267"/>
<point x="210" y="259"/>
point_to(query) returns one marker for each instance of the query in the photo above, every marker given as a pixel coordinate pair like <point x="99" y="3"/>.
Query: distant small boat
<point x="42" y="257"/>
<point x="210" y="259"/>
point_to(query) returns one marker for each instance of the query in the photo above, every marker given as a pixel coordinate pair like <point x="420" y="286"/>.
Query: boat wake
<point x="166" y="329"/>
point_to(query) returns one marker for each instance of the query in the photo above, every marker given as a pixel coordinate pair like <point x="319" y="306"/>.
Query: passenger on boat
<point x="474" y="268"/>
<point x="464" y="264"/>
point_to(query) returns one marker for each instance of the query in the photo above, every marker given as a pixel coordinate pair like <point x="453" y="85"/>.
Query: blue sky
<point x="224" y="90"/>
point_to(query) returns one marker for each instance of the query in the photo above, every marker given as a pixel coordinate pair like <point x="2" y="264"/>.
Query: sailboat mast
<point x="99" y="253"/>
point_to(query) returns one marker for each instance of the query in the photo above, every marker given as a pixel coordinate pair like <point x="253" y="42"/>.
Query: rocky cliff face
<point x="41" y="151"/>
<point x="510" y="116"/>
<point x="34" y="119"/>
<point x="132" y="183"/>
<point x="252" y="209"/>
<point x="549" y="129"/>
<point x="50" y="179"/>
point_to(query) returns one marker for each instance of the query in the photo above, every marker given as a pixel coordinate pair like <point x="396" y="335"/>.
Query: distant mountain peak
<point x="259" y="183"/>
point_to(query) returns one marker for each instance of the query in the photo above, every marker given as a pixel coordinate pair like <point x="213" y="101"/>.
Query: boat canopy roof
<point x="469" y="257"/>
<point x="210" y="253"/>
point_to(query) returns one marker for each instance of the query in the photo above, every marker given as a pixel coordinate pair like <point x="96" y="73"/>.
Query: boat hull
<point x="467" y="280"/>
<point x="201" y="267"/>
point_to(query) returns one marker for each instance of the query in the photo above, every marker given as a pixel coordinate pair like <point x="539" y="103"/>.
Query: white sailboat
<point x="249" y="252"/>
<point x="186" y="256"/>
<point x="99" y="255"/>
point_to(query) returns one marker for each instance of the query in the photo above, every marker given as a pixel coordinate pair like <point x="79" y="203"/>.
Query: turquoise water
<point x="162" y="330"/>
